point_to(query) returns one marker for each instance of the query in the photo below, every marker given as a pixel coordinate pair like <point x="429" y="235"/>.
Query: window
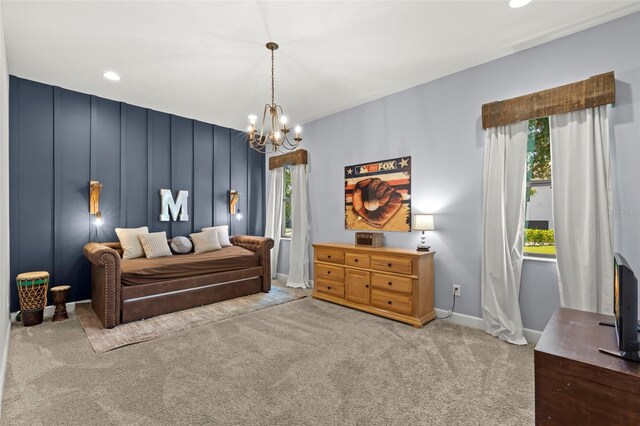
<point x="286" y="203"/>
<point x="538" y="233"/>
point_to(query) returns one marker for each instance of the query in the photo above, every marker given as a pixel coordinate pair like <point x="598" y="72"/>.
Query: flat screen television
<point x="625" y="310"/>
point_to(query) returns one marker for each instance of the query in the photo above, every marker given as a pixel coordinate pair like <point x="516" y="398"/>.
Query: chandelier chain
<point x="273" y="81"/>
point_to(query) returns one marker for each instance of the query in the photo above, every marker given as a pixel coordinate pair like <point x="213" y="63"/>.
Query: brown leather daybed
<point x="129" y="290"/>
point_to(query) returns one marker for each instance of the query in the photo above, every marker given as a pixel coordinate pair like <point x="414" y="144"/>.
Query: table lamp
<point x="423" y="222"/>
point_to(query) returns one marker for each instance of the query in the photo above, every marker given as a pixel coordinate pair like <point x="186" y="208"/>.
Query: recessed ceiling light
<point x="110" y="75"/>
<point x="518" y="3"/>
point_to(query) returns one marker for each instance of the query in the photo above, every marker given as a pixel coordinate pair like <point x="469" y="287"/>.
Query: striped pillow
<point x="205" y="241"/>
<point x="155" y="244"/>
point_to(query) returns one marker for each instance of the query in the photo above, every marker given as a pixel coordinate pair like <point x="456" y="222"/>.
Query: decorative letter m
<point x="179" y="205"/>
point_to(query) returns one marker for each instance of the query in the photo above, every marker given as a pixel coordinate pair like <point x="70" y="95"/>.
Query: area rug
<point x="104" y="339"/>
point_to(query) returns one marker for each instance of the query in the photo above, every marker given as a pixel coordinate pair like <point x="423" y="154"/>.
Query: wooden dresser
<point x="390" y="282"/>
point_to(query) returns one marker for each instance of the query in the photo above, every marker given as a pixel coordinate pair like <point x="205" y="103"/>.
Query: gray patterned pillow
<point x="155" y="244"/>
<point x="181" y="245"/>
<point x="205" y="241"/>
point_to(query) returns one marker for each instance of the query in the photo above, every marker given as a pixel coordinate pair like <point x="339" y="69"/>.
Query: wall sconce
<point x="423" y="222"/>
<point x="234" y="197"/>
<point x="94" y="201"/>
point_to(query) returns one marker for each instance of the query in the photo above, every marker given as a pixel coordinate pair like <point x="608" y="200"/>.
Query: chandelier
<point x="273" y="130"/>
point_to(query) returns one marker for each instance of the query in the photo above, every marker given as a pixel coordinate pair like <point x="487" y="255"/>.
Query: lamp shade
<point x="423" y="222"/>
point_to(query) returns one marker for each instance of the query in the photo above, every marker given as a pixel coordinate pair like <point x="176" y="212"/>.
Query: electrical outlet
<point x="456" y="290"/>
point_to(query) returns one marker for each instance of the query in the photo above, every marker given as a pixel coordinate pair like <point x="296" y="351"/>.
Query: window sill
<point x="540" y="259"/>
<point x="285" y="238"/>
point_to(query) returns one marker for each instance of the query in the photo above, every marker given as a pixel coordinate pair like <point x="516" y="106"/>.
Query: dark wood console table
<point x="577" y="384"/>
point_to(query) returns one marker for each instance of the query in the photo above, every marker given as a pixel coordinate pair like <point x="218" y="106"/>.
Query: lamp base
<point x="422" y="245"/>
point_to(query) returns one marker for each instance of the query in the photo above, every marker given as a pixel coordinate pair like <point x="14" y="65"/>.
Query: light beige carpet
<point x="306" y="362"/>
<point x="104" y="339"/>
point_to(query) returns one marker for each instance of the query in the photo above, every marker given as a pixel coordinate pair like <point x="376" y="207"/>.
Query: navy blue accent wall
<point x="59" y="140"/>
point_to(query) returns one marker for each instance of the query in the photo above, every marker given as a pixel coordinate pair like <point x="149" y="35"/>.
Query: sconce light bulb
<point x="99" y="221"/>
<point x="238" y="215"/>
<point x="253" y="118"/>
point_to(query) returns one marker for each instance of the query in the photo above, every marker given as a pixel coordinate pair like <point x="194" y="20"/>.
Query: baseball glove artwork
<point x="375" y="201"/>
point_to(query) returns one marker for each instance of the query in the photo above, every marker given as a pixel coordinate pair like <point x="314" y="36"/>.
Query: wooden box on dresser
<point x="390" y="282"/>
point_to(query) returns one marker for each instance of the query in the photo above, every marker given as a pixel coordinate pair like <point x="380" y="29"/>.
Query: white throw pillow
<point x="223" y="234"/>
<point x="205" y="241"/>
<point x="155" y="244"/>
<point x="181" y="245"/>
<point x="129" y="241"/>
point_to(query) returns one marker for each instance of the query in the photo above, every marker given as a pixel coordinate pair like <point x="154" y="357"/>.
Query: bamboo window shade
<point x="592" y="92"/>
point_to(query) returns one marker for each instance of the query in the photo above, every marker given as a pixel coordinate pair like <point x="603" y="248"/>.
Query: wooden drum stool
<point x="32" y="292"/>
<point x="59" y="296"/>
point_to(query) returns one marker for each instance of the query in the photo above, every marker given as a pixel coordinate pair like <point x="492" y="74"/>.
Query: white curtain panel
<point x="504" y="184"/>
<point x="299" y="256"/>
<point x="274" y="215"/>
<point x="582" y="198"/>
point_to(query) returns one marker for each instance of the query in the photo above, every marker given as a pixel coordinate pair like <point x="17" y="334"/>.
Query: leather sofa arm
<point x="262" y="247"/>
<point x="105" y="282"/>
<point x="94" y="253"/>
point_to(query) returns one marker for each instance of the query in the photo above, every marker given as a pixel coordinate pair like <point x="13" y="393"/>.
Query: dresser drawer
<point x="332" y="273"/>
<point x="328" y="287"/>
<point x="391" y="282"/>
<point x="395" y="302"/>
<point x="400" y="265"/>
<point x="357" y="259"/>
<point x="333" y="256"/>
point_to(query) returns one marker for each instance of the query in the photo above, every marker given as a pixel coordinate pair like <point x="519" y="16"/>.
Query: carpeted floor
<point x="305" y="362"/>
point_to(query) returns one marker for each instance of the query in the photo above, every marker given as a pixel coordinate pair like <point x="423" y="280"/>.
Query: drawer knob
<point x="389" y="302"/>
<point x="329" y="257"/>
<point x="328" y="287"/>
<point x="366" y="286"/>
<point x="390" y="283"/>
<point x="356" y="260"/>
<point x="389" y="265"/>
<point x="329" y="272"/>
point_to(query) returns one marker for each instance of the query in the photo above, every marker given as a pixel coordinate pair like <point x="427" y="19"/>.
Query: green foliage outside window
<point x="539" y="236"/>
<point x="286" y="204"/>
<point x="538" y="152"/>
<point x="538" y="242"/>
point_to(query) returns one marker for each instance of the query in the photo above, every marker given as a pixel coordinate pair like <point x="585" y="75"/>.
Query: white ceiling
<point x="207" y="60"/>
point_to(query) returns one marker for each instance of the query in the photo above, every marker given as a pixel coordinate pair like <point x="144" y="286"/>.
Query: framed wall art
<point x="378" y="195"/>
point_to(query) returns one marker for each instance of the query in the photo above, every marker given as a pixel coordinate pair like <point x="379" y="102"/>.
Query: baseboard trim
<point x="3" y="362"/>
<point x="48" y="311"/>
<point x="532" y="336"/>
